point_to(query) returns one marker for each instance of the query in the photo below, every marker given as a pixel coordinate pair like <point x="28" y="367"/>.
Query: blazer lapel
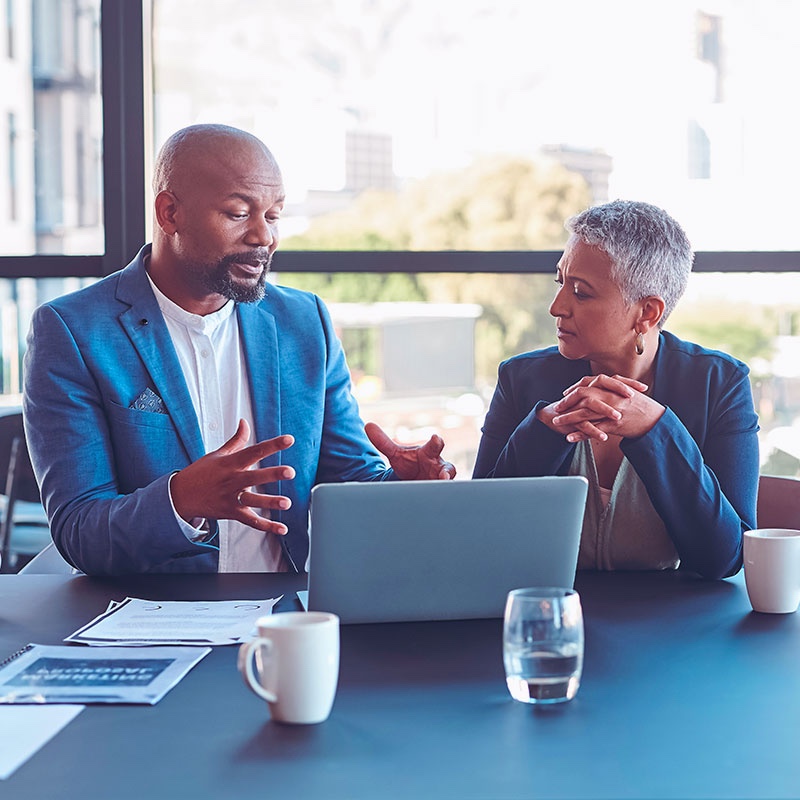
<point x="260" y="344"/>
<point x="148" y="333"/>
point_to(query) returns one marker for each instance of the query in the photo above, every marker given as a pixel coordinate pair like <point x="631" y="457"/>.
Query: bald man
<point x="179" y="411"/>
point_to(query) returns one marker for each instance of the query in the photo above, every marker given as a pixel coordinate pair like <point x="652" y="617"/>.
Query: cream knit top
<point x="627" y="532"/>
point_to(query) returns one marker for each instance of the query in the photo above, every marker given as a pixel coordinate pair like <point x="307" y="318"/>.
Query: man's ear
<point x="166" y="211"/>
<point x="652" y="309"/>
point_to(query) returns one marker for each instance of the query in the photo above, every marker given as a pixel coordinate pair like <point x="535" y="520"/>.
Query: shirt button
<point x="204" y="353"/>
<point x="213" y="426"/>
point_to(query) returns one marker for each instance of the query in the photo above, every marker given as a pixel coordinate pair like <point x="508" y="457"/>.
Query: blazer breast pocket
<point x="145" y="446"/>
<point x="120" y="415"/>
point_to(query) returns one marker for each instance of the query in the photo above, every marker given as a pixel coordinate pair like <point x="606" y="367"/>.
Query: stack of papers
<point x="135" y="622"/>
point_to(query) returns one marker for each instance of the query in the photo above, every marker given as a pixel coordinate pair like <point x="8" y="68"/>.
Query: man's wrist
<point x="199" y="530"/>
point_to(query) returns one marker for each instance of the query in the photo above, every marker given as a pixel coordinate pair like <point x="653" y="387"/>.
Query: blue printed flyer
<point x="72" y="674"/>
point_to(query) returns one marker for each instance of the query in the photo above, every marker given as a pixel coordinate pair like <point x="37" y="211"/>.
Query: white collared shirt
<point x="212" y="360"/>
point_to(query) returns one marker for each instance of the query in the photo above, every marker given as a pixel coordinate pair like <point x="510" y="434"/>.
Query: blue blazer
<point x="699" y="463"/>
<point x="103" y="466"/>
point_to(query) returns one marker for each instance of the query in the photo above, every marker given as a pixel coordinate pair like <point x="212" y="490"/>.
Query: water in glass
<point x="542" y="673"/>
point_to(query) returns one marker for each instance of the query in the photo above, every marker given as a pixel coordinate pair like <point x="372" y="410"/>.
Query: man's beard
<point x="217" y="278"/>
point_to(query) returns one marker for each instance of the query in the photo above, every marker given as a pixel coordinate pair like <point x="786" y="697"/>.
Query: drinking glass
<point x="543" y="644"/>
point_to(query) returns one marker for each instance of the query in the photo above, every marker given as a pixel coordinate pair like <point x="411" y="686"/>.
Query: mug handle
<point x="245" y="664"/>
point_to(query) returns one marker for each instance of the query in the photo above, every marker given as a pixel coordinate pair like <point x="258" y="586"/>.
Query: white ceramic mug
<point x="772" y="569"/>
<point x="297" y="658"/>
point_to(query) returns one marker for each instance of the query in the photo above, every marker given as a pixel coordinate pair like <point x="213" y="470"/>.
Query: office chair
<point x="23" y="526"/>
<point x="49" y="562"/>
<point x="778" y="502"/>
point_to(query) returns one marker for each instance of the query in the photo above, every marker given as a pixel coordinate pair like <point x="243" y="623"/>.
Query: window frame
<point x="126" y="99"/>
<point x="505" y="261"/>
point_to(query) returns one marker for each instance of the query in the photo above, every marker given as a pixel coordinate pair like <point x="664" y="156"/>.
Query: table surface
<point x="685" y="693"/>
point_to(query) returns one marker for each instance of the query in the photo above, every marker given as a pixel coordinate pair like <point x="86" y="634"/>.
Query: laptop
<point x="431" y="550"/>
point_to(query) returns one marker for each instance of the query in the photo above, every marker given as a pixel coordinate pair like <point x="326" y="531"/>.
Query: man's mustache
<point x="260" y="256"/>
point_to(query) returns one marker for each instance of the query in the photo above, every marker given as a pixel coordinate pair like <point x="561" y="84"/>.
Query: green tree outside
<point x="498" y="203"/>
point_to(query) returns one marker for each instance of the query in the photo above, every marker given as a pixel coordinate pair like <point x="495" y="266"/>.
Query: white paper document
<point x="176" y="622"/>
<point x="24" y="729"/>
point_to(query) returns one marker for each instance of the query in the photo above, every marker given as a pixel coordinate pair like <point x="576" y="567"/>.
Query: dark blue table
<point x="686" y="694"/>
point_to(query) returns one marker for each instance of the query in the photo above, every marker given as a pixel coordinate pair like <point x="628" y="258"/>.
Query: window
<point x="10" y="30"/>
<point x="13" y="184"/>
<point x="74" y="161"/>
<point x="55" y="93"/>
<point x="410" y="125"/>
<point x="432" y="150"/>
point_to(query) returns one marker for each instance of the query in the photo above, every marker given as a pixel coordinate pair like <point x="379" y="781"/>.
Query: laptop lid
<point x="427" y="550"/>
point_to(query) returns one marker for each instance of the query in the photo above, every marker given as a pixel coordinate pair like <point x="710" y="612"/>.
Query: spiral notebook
<point x="40" y="673"/>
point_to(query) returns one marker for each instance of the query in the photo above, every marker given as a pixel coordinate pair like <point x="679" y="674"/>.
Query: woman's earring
<point x="639" y="344"/>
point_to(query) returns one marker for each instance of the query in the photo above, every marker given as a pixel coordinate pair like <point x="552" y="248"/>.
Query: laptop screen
<point x="417" y="550"/>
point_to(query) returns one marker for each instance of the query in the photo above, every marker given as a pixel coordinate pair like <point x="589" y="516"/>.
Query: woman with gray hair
<point x="664" y="430"/>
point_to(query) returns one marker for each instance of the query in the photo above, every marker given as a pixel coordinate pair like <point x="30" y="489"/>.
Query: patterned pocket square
<point x="149" y="401"/>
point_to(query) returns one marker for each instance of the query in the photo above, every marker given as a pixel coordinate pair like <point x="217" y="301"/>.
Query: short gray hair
<point x="649" y="251"/>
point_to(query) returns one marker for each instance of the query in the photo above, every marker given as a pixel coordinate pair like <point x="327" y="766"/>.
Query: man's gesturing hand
<point x="220" y="484"/>
<point x="413" y="462"/>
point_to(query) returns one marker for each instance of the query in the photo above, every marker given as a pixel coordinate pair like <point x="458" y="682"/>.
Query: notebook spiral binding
<point x="16" y="655"/>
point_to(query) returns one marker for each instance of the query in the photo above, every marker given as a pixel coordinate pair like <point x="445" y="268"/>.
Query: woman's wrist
<point x="546" y="414"/>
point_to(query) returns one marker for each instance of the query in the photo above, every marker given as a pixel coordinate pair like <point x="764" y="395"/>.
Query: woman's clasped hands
<point x="599" y="406"/>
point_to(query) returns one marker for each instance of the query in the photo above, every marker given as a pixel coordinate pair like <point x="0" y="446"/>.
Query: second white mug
<point x="772" y="569"/>
<point x="297" y="658"/>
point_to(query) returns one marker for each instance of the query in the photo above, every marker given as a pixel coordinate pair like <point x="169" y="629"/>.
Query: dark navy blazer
<point x="699" y="463"/>
<point x="103" y="466"/>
